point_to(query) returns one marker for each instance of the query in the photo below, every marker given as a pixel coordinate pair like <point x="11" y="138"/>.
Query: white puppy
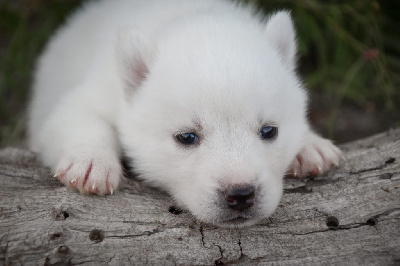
<point x="201" y="96"/>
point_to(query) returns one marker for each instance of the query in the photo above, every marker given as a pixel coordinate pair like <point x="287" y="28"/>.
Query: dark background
<point x="349" y="58"/>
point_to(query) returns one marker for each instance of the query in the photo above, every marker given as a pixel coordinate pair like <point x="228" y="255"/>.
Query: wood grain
<point x="349" y="216"/>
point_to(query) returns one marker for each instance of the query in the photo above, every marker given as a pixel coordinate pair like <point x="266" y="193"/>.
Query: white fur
<point x="129" y="75"/>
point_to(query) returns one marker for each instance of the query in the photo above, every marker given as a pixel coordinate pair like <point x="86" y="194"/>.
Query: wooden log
<point x="351" y="215"/>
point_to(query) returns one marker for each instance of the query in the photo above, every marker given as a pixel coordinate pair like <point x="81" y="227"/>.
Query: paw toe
<point x="90" y="175"/>
<point x="316" y="158"/>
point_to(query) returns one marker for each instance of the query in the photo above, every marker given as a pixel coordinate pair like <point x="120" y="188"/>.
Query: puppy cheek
<point x="271" y="195"/>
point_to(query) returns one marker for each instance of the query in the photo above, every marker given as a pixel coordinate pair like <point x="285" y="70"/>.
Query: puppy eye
<point x="187" y="138"/>
<point x="268" y="132"/>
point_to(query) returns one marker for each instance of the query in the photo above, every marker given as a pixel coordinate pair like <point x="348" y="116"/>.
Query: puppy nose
<point x="240" y="198"/>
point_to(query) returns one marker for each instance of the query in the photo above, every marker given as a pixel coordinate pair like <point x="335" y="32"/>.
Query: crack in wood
<point x="385" y="164"/>
<point x="145" y="233"/>
<point x="201" y="229"/>
<point x="220" y="261"/>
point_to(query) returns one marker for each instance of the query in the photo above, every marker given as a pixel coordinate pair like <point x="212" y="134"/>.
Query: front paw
<point x="316" y="156"/>
<point x="88" y="171"/>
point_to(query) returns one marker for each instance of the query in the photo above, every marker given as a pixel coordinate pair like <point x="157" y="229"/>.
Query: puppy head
<point x="215" y="115"/>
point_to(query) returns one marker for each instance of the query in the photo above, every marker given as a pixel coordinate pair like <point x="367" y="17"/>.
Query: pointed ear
<point x="280" y="32"/>
<point x="134" y="54"/>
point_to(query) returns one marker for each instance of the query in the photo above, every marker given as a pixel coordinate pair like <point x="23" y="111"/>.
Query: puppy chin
<point x="226" y="218"/>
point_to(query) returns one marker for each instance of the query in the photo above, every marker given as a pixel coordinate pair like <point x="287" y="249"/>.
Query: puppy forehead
<point x="222" y="84"/>
<point x="196" y="102"/>
<point x="248" y="99"/>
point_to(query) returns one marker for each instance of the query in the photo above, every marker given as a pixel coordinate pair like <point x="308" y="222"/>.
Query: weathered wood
<point x="349" y="216"/>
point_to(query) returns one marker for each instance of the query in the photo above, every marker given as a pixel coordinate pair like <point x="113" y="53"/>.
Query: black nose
<point x="240" y="198"/>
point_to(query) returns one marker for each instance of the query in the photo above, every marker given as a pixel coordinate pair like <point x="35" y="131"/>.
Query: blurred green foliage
<point x="25" y="26"/>
<point x="348" y="50"/>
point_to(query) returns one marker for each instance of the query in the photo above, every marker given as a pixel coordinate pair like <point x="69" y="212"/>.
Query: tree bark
<point x="350" y="215"/>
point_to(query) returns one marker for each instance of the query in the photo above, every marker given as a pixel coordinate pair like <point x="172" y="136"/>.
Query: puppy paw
<point x="95" y="172"/>
<point x="317" y="156"/>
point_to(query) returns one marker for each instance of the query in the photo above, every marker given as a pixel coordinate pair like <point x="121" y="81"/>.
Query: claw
<point x="111" y="191"/>
<point x="94" y="187"/>
<point x="319" y="169"/>
<point x="73" y="182"/>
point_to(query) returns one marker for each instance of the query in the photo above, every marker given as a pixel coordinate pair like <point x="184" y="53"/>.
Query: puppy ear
<point x="281" y="33"/>
<point x="134" y="54"/>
